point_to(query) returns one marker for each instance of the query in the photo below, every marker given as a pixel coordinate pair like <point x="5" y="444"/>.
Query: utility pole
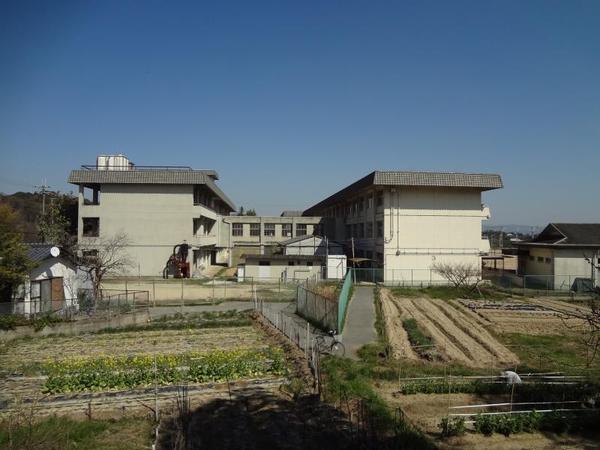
<point x="43" y="189"/>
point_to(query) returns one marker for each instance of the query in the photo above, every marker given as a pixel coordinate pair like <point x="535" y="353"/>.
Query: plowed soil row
<point x="457" y="334"/>
<point x="397" y="336"/>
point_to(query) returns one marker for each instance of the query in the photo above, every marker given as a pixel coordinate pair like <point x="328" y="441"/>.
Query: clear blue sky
<point x="290" y="101"/>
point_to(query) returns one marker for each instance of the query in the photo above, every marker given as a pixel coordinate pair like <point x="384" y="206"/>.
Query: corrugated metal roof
<point x="480" y="181"/>
<point x="38" y="252"/>
<point x="206" y="177"/>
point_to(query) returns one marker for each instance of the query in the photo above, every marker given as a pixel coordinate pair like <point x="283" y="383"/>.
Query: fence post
<point x="153" y="293"/>
<point x="307" y="339"/>
<point x="412" y="278"/>
<point x="182" y="301"/>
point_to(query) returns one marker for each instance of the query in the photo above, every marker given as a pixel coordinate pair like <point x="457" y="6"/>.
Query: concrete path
<point x="360" y="321"/>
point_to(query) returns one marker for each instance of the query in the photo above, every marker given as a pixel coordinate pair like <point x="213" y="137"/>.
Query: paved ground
<point x="158" y="311"/>
<point x="360" y="321"/>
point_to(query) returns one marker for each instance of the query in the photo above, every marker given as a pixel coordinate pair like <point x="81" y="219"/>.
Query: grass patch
<point x="65" y="433"/>
<point x="197" y="320"/>
<point x="449" y="292"/>
<point x="563" y="353"/>
<point x="350" y="380"/>
<point x="415" y="334"/>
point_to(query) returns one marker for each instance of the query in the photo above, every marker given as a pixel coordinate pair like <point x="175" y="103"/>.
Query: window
<point x="255" y="229"/>
<point x="348" y="231"/>
<point x="531" y="258"/>
<point x="361" y="230"/>
<point x="370" y="202"/>
<point x="286" y="229"/>
<point x="380" y="228"/>
<point x="238" y="229"/>
<point x="360" y="205"/>
<point x="264" y="263"/>
<point x="369" y="230"/>
<point x="89" y="253"/>
<point x="540" y="259"/>
<point x="309" y="263"/>
<point x="269" y="229"/>
<point x="91" y="226"/>
<point x="379" y="199"/>
<point x="291" y="263"/>
<point x="548" y="260"/>
<point x="300" y="229"/>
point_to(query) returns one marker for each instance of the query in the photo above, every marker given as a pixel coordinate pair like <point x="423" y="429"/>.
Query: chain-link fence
<point x="87" y="304"/>
<point x="540" y="284"/>
<point x="191" y="291"/>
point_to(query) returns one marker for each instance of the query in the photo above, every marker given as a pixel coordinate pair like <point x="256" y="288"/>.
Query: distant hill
<point x="29" y="206"/>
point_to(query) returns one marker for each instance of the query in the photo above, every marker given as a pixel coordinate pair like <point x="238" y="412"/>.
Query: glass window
<point x="380" y="228"/>
<point x="91" y="226"/>
<point x="300" y="229"/>
<point x="369" y="230"/>
<point x="238" y="229"/>
<point x="255" y="229"/>
<point x="286" y="229"/>
<point x="269" y="229"/>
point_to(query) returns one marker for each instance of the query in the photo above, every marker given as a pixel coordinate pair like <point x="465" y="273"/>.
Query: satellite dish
<point x="55" y="251"/>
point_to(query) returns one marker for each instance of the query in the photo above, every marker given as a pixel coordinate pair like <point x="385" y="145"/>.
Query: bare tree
<point x="458" y="274"/>
<point x="105" y="256"/>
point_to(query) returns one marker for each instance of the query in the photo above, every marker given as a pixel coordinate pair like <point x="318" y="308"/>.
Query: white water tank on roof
<point x="113" y="162"/>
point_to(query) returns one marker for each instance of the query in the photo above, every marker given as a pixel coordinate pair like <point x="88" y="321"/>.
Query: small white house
<point x="52" y="285"/>
<point x="564" y="256"/>
<point x="311" y="245"/>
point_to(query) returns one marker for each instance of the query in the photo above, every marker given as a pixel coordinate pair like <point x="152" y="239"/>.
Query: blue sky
<point x="290" y="101"/>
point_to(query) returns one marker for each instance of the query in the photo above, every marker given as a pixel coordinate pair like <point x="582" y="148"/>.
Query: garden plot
<point x="58" y="368"/>
<point x="531" y="316"/>
<point x="19" y="355"/>
<point x="426" y="410"/>
<point x="457" y="335"/>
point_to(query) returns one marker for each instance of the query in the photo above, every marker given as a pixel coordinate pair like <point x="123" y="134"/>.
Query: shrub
<point x="485" y="425"/>
<point x="454" y="426"/>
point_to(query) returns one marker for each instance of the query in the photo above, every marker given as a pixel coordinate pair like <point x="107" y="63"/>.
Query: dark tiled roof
<point x="480" y="181"/>
<point x="577" y="234"/>
<point x="468" y="180"/>
<point x="38" y="252"/>
<point x="206" y="177"/>
<point x="139" y="177"/>
<point x="298" y="239"/>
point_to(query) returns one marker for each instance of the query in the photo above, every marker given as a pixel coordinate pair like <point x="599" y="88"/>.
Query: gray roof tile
<point x="149" y="177"/>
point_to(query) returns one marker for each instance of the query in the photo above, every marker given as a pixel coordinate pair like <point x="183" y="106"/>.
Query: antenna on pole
<point x="43" y="189"/>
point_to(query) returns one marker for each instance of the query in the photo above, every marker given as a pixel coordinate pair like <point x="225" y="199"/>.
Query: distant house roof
<point x="291" y="214"/>
<point x="567" y="234"/>
<point x="150" y="176"/>
<point x="479" y="181"/>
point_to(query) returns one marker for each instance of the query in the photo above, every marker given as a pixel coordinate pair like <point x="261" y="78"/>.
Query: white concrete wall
<point x="279" y="270"/>
<point x="155" y="219"/>
<point x="424" y="226"/>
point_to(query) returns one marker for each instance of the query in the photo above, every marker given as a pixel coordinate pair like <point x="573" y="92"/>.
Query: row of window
<point x="364" y="230"/>
<point x="289" y="263"/>
<point x="269" y="229"/>
<point x="356" y="207"/>
<point x="540" y="259"/>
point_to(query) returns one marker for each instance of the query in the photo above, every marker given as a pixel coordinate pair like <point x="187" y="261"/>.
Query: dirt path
<point x="458" y="335"/>
<point x="397" y="336"/>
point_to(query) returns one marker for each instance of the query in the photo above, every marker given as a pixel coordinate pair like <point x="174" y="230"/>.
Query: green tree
<point x="14" y="263"/>
<point x="251" y="212"/>
<point x="54" y="226"/>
